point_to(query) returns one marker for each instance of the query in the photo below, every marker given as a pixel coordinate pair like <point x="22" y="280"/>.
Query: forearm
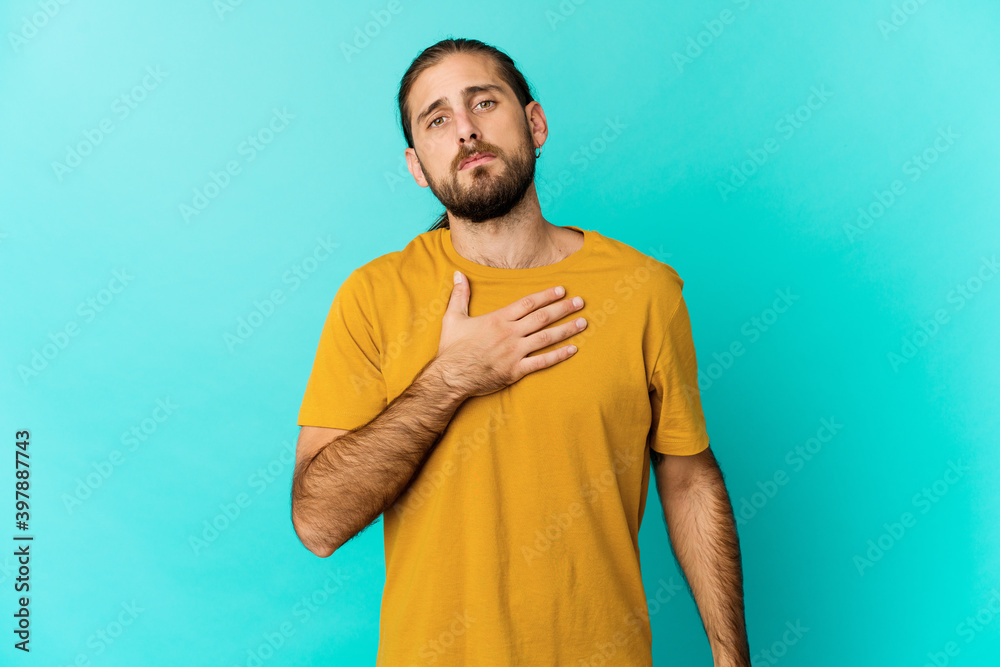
<point x="355" y="478"/>
<point x="703" y="536"/>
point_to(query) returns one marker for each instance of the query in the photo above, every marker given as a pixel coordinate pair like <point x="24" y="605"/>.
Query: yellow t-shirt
<point x="517" y="541"/>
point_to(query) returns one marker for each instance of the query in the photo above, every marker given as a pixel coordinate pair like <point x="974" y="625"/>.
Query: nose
<point x="466" y="128"/>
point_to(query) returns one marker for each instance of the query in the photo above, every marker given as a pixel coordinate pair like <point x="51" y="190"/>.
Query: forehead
<point x="451" y="75"/>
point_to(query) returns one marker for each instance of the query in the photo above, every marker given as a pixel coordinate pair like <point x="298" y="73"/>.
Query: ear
<point x="538" y="126"/>
<point x="413" y="164"/>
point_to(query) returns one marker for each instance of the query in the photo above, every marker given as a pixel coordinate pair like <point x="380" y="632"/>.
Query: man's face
<point x="466" y="122"/>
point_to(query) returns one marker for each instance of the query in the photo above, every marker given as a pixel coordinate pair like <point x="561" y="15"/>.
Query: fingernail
<point x="458" y="277"/>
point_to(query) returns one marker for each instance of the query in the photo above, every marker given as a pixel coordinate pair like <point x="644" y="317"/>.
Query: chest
<point x="606" y="374"/>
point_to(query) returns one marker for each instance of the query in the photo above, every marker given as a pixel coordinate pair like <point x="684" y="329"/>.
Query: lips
<point x="476" y="159"/>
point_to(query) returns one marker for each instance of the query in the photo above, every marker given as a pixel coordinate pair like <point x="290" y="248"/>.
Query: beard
<point x="493" y="191"/>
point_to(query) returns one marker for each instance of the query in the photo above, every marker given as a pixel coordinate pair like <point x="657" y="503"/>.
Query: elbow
<point x="322" y="552"/>
<point x="313" y="541"/>
<point x="317" y="547"/>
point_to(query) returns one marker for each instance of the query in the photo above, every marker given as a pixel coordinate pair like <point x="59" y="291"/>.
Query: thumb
<point x="459" y="302"/>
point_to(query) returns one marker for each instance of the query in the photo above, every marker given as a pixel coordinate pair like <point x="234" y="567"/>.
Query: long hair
<point x="433" y="55"/>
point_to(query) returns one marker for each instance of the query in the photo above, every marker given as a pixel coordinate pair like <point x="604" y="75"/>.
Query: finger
<point x="459" y="301"/>
<point x="530" y="303"/>
<point x="546" y="337"/>
<point x="540" y="361"/>
<point x="552" y="313"/>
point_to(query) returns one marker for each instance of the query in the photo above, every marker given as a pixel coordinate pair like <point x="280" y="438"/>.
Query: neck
<point x="522" y="239"/>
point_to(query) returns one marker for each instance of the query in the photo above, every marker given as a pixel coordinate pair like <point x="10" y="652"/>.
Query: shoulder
<point x="372" y="270"/>
<point x="383" y="278"/>
<point x="416" y="257"/>
<point x="646" y="268"/>
<point x="376" y="274"/>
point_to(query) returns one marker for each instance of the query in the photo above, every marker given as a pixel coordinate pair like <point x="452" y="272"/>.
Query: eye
<point x="435" y="123"/>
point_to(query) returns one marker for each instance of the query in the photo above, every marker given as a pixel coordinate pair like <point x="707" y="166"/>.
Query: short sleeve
<point x="346" y="388"/>
<point x="678" y="425"/>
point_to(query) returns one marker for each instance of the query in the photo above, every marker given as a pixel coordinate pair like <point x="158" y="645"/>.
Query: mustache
<point x="479" y="148"/>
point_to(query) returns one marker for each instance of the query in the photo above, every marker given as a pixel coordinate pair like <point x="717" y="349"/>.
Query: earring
<point x="538" y="152"/>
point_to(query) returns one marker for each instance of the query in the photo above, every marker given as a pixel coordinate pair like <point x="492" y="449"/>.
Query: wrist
<point x="441" y="379"/>
<point x="730" y="660"/>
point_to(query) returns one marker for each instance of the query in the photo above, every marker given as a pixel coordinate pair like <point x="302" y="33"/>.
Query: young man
<point x="504" y="423"/>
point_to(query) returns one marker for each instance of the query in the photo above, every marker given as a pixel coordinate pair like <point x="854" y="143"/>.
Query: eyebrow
<point x="470" y="90"/>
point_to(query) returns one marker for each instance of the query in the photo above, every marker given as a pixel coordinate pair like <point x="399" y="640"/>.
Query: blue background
<point x="701" y="94"/>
